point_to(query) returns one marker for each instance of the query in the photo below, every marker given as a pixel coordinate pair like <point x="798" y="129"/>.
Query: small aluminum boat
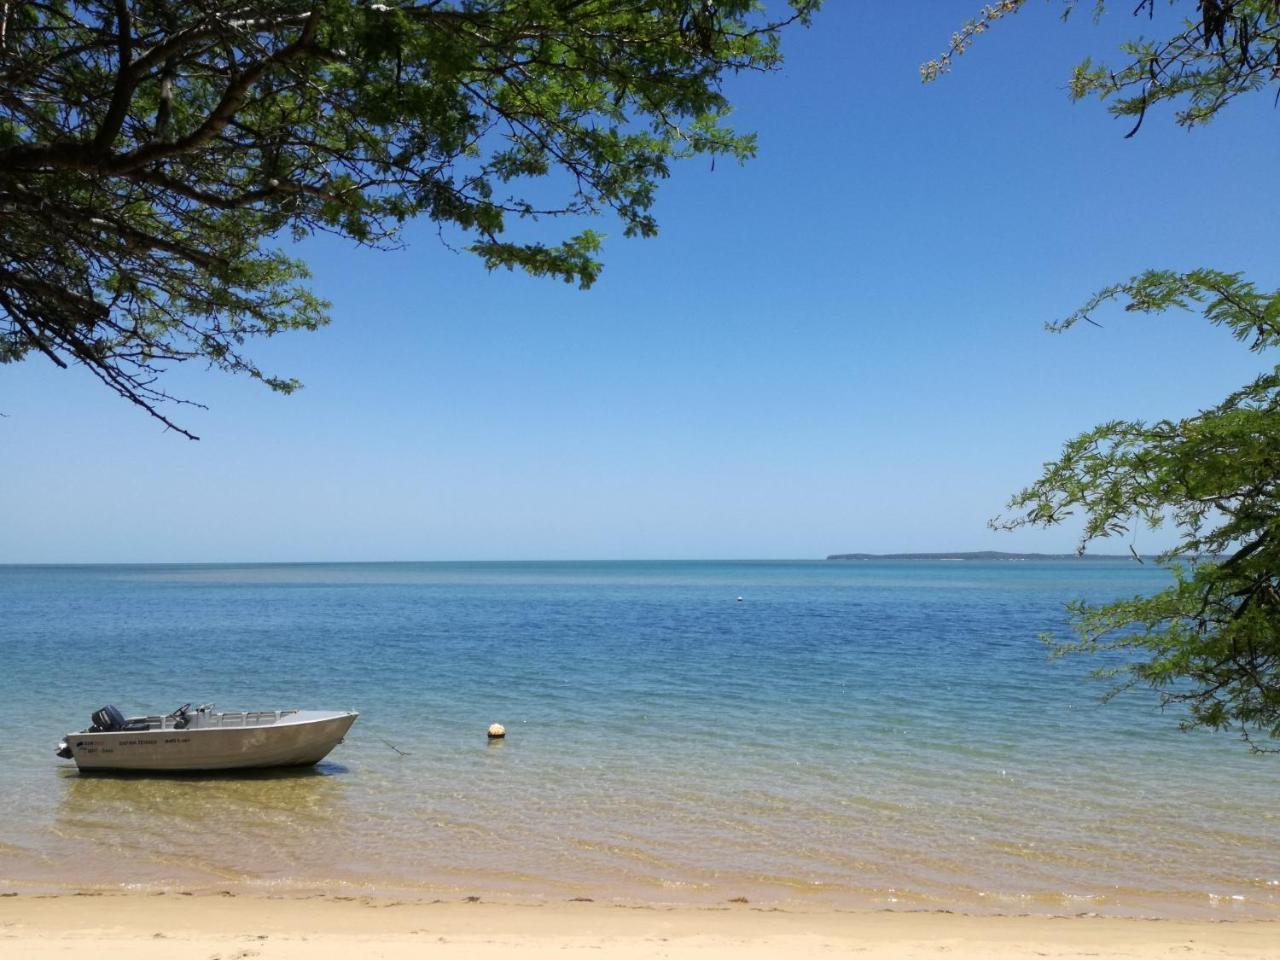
<point x="200" y="739"/>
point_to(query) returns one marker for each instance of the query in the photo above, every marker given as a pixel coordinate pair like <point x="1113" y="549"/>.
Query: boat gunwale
<point x="329" y="715"/>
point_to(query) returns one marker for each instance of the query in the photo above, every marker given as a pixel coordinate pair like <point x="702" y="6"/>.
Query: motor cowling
<point x="108" y="719"/>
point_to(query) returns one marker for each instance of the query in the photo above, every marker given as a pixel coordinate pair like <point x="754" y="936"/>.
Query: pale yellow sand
<point x="175" y="927"/>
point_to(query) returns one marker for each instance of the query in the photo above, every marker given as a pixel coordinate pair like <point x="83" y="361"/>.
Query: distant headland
<point x="980" y="555"/>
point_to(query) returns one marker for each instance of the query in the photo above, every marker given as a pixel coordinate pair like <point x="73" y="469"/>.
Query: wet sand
<point x="140" y="926"/>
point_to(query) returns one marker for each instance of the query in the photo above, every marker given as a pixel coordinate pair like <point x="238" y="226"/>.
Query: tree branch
<point x="125" y="82"/>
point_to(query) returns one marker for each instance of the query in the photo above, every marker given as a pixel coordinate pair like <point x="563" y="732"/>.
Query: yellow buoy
<point x="497" y="731"/>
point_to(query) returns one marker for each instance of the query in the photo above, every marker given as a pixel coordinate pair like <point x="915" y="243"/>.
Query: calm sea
<point x="850" y="734"/>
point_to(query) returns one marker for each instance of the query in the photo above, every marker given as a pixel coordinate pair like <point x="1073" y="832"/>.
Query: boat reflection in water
<point x="269" y="827"/>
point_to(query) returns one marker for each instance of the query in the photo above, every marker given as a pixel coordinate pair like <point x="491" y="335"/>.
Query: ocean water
<point x="849" y="735"/>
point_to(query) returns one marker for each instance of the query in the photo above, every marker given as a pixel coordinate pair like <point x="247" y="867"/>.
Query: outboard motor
<point x="110" y="720"/>
<point x="107" y="720"/>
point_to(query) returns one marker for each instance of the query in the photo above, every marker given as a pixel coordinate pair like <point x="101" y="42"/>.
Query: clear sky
<point x="837" y="347"/>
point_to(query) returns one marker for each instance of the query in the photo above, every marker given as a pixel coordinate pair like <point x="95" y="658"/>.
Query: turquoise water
<point x="851" y="734"/>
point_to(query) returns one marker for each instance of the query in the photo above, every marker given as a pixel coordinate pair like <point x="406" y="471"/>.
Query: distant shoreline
<point x="984" y="555"/>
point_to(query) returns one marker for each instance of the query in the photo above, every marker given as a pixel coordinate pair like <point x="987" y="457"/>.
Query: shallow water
<point x="851" y="734"/>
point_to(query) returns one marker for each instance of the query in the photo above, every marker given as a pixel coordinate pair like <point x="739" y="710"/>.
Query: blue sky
<point x="837" y="347"/>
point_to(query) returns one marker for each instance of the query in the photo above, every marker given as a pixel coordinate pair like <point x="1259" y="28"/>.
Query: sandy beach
<point x="214" y="927"/>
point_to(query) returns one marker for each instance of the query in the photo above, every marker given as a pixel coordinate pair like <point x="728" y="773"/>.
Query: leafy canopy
<point x="1216" y="51"/>
<point x="1210" y="643"/>
<point x="151" y="151"/>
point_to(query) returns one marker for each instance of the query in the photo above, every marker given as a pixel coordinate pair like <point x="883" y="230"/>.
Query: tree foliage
<point x="1216" y="51"/>
<point x="1210" y="643"/>
<point x="151" y="151"/>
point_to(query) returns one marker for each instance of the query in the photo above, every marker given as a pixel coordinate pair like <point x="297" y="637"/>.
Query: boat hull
<point x="299" y="742"/>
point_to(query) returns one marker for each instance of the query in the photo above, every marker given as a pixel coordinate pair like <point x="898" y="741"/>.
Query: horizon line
<point x="905" y="555"/>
